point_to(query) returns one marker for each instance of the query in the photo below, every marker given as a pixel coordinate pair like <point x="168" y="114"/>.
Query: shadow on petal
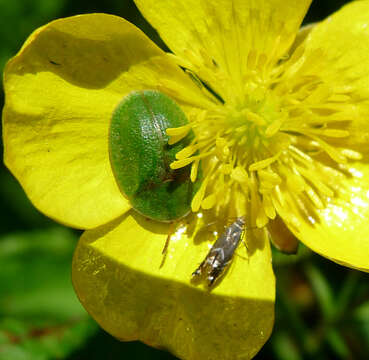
<point x="118" y="279"/>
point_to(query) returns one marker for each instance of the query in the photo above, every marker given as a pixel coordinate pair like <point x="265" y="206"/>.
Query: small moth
<point x="221" y="253"/>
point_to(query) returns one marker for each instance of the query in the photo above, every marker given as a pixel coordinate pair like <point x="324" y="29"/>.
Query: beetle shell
<point x="140" y="155"/>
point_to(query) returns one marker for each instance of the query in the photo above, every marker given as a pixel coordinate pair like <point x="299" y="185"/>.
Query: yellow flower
<point x="281" y="129"/>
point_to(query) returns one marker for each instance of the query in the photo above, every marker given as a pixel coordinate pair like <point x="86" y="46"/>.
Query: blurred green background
<point x="322" y="309"/>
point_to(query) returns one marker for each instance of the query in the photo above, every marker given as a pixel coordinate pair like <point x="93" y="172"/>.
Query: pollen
<point x="278" y="140"/>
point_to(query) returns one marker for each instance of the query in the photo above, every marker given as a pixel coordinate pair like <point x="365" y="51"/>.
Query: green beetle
<point x="140" y="155"/>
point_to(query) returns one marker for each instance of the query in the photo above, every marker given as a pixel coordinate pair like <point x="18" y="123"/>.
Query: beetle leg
<point x="165" y="248"/>
<point x="167" y="241"/>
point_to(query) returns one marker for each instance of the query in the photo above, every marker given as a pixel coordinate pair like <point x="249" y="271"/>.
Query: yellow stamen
<point x="274" y="139"/>
<point x="194" y="170"/>
<point x="184" y="162"/>
<point x="351" y="154"/>
<point x="239" y="174"/>
<point x="179" y="130"/>
<point x="186" y="152"/>
<point x="258" y="165"/>
<point x="268" y="207"/>
<point x="273" y="128"/>
<point x="208" y="202"/>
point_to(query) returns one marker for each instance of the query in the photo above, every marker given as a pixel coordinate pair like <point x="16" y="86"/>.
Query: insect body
<point x="140" y="155"/>
<point x="221" y="253"/>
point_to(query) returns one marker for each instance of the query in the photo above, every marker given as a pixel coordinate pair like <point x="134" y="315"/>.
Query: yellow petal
<point x="304" y="31"/>
<point x="342" y="41"/>
<point x="341" y="232"/>
<point x="61" y="90"/>
<point x="225" y="38"/>
<point x="335" y="52"/>
<point x="121" y="279"/>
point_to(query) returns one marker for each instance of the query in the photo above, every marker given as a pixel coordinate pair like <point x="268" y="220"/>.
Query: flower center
<point x="281" y="147"/>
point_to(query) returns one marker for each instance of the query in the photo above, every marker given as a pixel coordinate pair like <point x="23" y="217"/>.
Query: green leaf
<point x="322" y="290"/>
<point x="284" y="347"/>
<point x="40" y="315"/>
<point x="362" y="312"/>
<point x="338" y="345"/>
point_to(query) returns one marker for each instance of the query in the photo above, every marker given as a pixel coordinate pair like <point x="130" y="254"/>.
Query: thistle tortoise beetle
<point x="140" y="155"/>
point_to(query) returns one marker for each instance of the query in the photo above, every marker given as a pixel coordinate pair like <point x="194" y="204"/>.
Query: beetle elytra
<point x="140" y="155"/>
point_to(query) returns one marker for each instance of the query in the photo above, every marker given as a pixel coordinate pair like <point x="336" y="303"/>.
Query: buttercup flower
<point x="281" y="135"/>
